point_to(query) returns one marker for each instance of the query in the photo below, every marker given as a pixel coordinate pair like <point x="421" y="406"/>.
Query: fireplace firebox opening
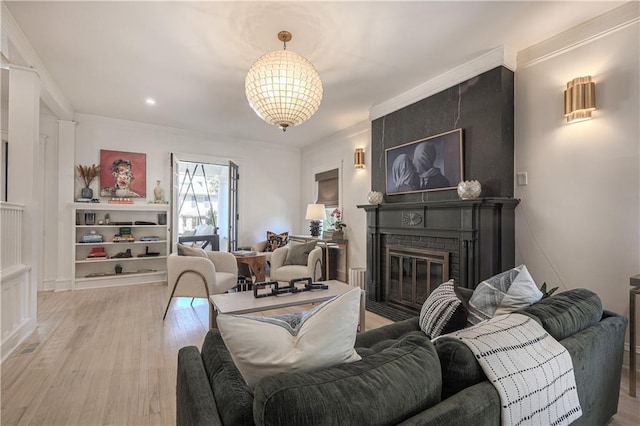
<point x="412" y="274"/>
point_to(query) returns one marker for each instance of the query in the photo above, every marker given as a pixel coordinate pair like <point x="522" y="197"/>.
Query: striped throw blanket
<point x="531" y="371"/>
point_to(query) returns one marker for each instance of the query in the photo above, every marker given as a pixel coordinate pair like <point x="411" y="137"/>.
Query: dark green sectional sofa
<point x="403" y="378"/>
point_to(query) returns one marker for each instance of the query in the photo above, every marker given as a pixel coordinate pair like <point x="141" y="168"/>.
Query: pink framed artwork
<point x="123" y="174"/>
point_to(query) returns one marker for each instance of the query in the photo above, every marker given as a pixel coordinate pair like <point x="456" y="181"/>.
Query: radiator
<point x="358" y="277"/>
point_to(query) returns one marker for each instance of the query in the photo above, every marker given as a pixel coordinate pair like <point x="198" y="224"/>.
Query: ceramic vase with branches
<point x="87" y="174"/>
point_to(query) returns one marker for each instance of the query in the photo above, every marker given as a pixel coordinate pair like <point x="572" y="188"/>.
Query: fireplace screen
<point x="412" y="274"/>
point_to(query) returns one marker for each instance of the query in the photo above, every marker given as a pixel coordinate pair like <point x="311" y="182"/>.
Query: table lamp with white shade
<point x="315" y="213"/>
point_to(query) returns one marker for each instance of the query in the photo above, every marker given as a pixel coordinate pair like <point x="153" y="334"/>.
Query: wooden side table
<point x="633" y="292"/>
<point x="255" y="263"/>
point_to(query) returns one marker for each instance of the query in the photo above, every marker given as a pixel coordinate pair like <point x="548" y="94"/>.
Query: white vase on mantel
<point x="469" y="189"/>
<point x="375" y="197"/>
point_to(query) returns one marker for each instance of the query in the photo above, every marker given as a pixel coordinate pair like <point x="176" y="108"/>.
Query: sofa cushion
<point x="567" y="313"/>
<point x="375" y="340"/>
<point x="459" y="366"/>
<point x="442" y="312"/>
<point x="276" y="240"/>
<point x="191" y="251"/>
<point x="298" y="253"/>
<point x="321" y="337"/>
<point x="381" y="389"/>
<point x="502" y="294"/>
<point x="231" y="392"/>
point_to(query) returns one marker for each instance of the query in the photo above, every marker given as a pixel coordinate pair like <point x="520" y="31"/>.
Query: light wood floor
<point x="105" y="356"/>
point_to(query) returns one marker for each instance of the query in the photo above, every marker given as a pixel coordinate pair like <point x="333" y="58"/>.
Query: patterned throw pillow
<point x="502" y="294"/>
<point x="442" y="312"/>
<point x="276" y="240"/>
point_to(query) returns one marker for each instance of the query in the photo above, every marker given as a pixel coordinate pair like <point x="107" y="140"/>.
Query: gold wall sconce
<point x="579" y="99"/>
<point x="358" y="159"/>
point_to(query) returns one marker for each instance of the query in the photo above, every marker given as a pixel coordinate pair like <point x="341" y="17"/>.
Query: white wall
<point x="355" y="185"/>
<point x="578" y="224"/>
<point x="269" y="187"/>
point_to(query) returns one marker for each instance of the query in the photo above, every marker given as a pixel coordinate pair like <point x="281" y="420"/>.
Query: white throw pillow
<point x="503" y="293"/>
<point x="321" y="337"/>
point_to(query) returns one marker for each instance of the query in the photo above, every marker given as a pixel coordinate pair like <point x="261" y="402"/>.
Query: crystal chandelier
<point x="283" y="87"/>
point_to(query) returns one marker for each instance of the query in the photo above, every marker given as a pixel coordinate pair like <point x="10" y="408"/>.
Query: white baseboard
<point x="19" y="334"/>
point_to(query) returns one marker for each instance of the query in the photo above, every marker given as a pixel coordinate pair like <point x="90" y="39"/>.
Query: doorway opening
<point x="202" y="204"/>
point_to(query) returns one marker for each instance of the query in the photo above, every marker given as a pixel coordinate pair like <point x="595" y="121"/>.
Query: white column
<point x="66" y="185"/>
<point x="23" y="184"/>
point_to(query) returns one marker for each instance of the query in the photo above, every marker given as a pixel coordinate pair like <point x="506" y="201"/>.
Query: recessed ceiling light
<point x="150" y="101"/>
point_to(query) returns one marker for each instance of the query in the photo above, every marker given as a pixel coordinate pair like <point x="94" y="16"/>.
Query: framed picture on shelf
<point x="429" y="164"/>
<point x="123" y="174"/>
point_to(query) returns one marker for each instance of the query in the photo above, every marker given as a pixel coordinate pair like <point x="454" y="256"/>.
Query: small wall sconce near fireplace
<point x="579" y="99"/>
<point x="358" y="159"/>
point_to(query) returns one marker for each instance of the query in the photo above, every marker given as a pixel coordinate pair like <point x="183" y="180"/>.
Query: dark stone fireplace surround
<point x="478" y="234"/>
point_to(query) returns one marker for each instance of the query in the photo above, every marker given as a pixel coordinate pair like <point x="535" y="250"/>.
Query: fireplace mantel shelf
<point x="440" y="203"/>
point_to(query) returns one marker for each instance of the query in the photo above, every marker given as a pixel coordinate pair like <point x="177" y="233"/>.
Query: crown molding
<point x="50" y="93"/>
<point x="493" y="58"/>
<point x="593" y="29"/>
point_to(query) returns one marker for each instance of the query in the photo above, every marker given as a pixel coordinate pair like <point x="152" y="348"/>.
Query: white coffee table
<point x="244" y="302"/>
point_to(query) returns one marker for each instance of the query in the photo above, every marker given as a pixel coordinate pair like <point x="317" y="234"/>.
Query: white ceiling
<point x="192" y="57"/>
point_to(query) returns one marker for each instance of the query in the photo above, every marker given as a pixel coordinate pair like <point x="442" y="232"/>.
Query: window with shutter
<point x="328" y="188"/>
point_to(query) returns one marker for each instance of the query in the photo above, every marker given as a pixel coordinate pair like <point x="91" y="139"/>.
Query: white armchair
<point x="282" y="272"/>
<point x="194" y="276"/>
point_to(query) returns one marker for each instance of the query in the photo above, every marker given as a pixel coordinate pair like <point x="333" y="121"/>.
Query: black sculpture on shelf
<point x="148" y="253"/>
<point x="123" y="254"/>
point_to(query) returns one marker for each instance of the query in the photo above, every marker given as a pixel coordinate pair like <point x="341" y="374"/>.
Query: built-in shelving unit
<point x="143" y="220"/>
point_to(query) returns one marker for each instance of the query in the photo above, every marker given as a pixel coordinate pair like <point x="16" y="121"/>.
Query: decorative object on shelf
<point x="418" y="166"/>
<point x="148" y="253"/>
<point x="469" y="189"/>
<point x="123" y="174"/>
<point x="375" y="197"/>
<point x="89" y="218"/>
<point x="123" y="236"/>
<point x="579" y="99"/>
<point x="107" y="220"/>
<point x="120" y="201"/>
<point x="87" y="174"/>
<point x="358" y="159"/>
<point x="158" y="193"/>
<point x="97" y="252"/>
<point x="162" y="218"/>
<point x="91" y="237"/>
<point x="118" y="268"/>
<point x="283" y="87"/>
<point x="315" y="213"/>
<point x="123" y="254"/>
